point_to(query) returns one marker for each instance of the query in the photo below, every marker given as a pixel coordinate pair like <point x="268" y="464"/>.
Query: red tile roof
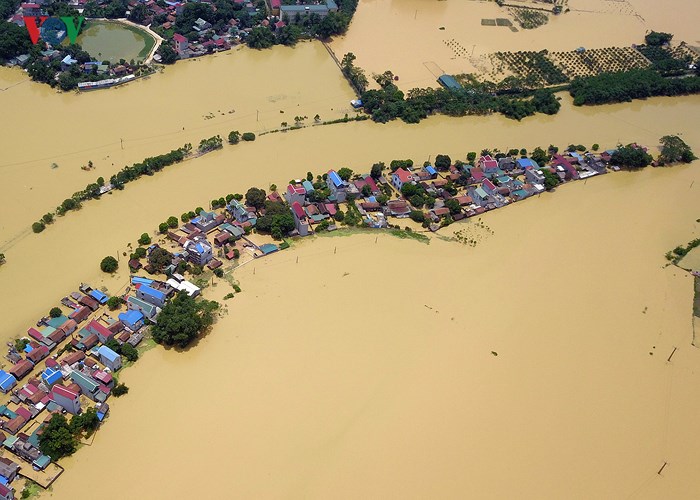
<point x="298" y="210"/>
<point x="63" y="391"/>
<point x="403" y="175"/>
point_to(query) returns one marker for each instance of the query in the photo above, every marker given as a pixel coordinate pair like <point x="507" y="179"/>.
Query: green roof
<point x="81" y="380"/>
<point x="56" y="322"/>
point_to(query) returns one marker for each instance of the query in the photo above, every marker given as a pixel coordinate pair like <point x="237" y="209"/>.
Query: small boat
<point x="695" y="273"/>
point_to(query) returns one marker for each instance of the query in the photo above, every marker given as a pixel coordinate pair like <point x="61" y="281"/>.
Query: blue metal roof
<point x="99" y="296"/>
<point x="308" y="186"/>
<point x="526" y="162"/>
<point x="138" y="280"/>
<point x="7" y="380"/>
<point x="108" y="353"/>
<point x="335" y="178"/>
<point x="51" y="376"/>
<point x="430" y="170"/>
<point x="152" y="292"/>
<point x="131" y="317"/>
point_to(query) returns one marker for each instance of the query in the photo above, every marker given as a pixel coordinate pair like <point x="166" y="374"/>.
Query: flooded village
<point x="490" y="305"/>
<point x="69" y="363"/>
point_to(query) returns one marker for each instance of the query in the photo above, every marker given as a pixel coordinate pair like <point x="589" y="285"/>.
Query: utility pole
<point x="121" y="142"/>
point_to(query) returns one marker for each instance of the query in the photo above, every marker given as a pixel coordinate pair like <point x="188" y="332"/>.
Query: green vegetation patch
<point x="529" y="19"/>
<point x="409" y="234"/>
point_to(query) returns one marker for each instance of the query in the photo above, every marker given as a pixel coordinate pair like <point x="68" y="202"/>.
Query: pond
<point x="112" y="41"/>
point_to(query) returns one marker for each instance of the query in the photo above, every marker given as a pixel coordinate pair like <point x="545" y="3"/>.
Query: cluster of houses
<point x="487" y="184"/>
<point x="65" y="364"/>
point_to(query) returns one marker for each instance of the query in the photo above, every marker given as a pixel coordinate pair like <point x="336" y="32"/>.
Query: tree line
<point x="627" y="85"/>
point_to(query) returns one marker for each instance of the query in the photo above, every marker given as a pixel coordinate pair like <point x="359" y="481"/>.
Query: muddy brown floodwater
<point x="532" y="365"/>
<point x="243" y="90"/>
<point x="366" y="369"/>
<point x="420" y="39"/>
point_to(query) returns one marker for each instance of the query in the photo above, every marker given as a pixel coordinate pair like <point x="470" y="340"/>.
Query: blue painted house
<point x="527" y="163"/>
<point x="132" y="319"/>
<point x="109" y="358"/>
<point x="337" y="186"/>
<point x="151" y="295"/>
<point x="7" y="381"/>
<point x="51" y="376"/>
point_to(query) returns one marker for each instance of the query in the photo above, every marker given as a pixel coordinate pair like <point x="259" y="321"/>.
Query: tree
<point x="129" y="352"/>
<point x="13" y="39"/>
<point x="471" y="156"/>
<point x="109" y="264"/>
<point x="288" y="35"/>
<point x="546" y="102"/>
<point x="119" y="390"/>
<point x="631" y="156"/>
<point x="550" y="180"/>
<point x="145" y="239"/>
<point x="114" y="302"/>
<point x="345" y="173"/>
<point x="377" y="169"/>
<point x="255" y="197"/>
<point x="417" y="216"/>
<point x="2" y="258"/>
<point x="87" y="422"/>
<point x="260" y="37"/>
<point x="595" y="147"/>
<point x="334" y="23"/>
<point x="163" y="227"/>
<point x="248" y="136"/>
<point x="159" y="259"/>
<point x="234" y="137"/>
<point x="182" y="320"/>
<point x="674" y="149"/>
<point x="277" y="221"/>
<point x="442" y="162"/>
<point x="656" y="39"/>
<point x="453" y="205"/>
<point x="168" y="55"/>
<point x="38" y="227"/>
<point x="172" y="222"/>
<point x="540" y="156"/>
<point x="57" y="440"/>
<point x="55" y="312"/>
<point x="47" y="218"/>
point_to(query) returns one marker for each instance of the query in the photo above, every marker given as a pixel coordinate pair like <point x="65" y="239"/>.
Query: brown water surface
<point x="369" y="368"/>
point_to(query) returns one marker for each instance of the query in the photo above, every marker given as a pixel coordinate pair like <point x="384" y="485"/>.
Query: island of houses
<point x="66" y="364"/>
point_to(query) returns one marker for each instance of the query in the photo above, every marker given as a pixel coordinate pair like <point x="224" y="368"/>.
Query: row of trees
<point x="234" y="137"/>
<point x="390" y="103"/>
<point x="355" y="75"/>
<point x="627" y="85"/>
<point x="148" y="166"/>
